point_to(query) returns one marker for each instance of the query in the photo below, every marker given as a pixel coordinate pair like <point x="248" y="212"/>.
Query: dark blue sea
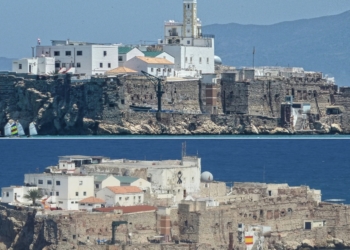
<point x="319" y="163"/>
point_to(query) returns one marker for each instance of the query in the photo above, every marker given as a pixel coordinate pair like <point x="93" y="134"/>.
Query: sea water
<point x="321" y="162"/>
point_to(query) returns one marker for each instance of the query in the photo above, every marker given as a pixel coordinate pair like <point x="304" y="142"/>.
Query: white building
<point x="164" y="176"/>
<point x="14" y="194"/>
<point x="64" y="191"/>
<point x="193" y="51"/>
<point x="88" y="204"/>
<point x="85" y="58"/>
<point x="34" y="66"/>
<point x="126" y="53"/>
<point x="121" y="196"/>
<point x="102" y="181"/>
<point x="153" y="66"/>
<point x="134" y="181"/>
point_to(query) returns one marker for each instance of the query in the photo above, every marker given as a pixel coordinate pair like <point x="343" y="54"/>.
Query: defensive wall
<point x="65" y="105"/>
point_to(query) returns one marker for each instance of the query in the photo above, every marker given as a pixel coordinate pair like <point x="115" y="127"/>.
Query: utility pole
<point x="253" y="57"/>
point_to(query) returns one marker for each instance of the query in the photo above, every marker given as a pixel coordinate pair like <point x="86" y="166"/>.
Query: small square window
<point x="120" y="58"/>
<point x="76" y="193"/>
<point x="40" y="181"/>
<point x="63" y="65"/>
<point x="56" y="53"/>
<point x="58" y="183"/>
<point x="84" y="193"/>
<point x="109" y="65"/>
<point x="49" y="182"/>
<point x="120" y="198"/>
<point x="57" y="193"/>
<point x="68" y="53"/>
<point x="50" y="193"/>
<point x="188" y="42"/>
<point x="104" y="53"/>
<point x="78" y="65"/>
<point x="80" y="183"/>
<point x="57" y="65"/>
<point x="79" y="53"/>
<point x="19" y="66"/>
<point x="101" y="65"/>
<point x="97" y="186"/>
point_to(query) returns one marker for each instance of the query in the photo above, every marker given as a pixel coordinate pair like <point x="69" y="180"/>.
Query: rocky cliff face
<point x="62" y="106"/>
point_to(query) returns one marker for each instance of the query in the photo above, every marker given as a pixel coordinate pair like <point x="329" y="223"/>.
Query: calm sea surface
<point x="319" y="162"/>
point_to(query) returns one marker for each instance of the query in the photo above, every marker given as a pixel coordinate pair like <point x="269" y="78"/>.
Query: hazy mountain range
<point x="318" y="44"/>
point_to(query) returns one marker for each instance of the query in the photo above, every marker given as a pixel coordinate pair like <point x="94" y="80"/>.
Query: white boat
<point x="7" y="129"/>
<point x="20" y="129"/>
<point x="32" y="129"/>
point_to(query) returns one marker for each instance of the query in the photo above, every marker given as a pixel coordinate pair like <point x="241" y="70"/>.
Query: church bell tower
<point x="190" y="22"/>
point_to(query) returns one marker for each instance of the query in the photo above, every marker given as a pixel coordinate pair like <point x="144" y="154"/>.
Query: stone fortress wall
<point x="284" y="209"/>
<point x="61" y="105"/>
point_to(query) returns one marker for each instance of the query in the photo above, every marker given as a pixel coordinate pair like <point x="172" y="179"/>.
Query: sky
<point x="135" y="21"/>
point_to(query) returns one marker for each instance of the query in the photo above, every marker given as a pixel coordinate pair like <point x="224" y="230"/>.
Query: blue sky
<point x="132" y="21"/>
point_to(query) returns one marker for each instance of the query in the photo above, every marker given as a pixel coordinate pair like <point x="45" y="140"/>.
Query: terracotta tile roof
<point x="120" y="70"/>
<point x="155" y="60"/>
<point x="92" y="200"/>
<point x="127" y="210"/>
<point x="125" y="189"/>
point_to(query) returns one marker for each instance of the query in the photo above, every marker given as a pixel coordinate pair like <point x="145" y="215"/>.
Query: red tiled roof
<point x="125" y="189"/>
<point x="91" y="200"/>
<point x="127" y="210"/>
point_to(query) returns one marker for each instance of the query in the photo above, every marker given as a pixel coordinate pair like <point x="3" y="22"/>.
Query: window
<point x="76" y="193"/>
<point x="109" y="65"/>
<point x="56" y="53"/>
<point x="134" y="197"/>
<point x="57" y="65"/>
<point x="84" y="193"/>
<point x="151" y="69"/>
<point x="68" y="53"/>
<point x="101" y="65"/>
<point x="80" y="183"/>
<point x="58" y="183"/>
<point x="104" y="53"/>
<point x="7" y="194"/>
<point x="40" y="182"/>
<point x="190" y="59"/>
<point x="78" y="65"/>
<point x="120" y="58"/>
<point x="63" y="65"/>
<point x="49" y="182"/>
<point x="200" y="60"/>
<point x="120" y="198"/>
<point x="79" y="53"/>
<point x="60" y="202"/>
<point x="188" y="42"/>
<point x="57" y="193"/>
<point x="72" y="202"/>
<point x="50" y="193"/>
<point x="185" y="59"/>
<point x="19" y="66"/>
<point x="72" y="64"/>
<point x="97" y="186"/>
<point x="127" y="198"/>
<point x="207" y="60"/>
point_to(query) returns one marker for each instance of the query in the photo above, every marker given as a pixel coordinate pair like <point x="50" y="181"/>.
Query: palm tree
<point x="33" y="194"/>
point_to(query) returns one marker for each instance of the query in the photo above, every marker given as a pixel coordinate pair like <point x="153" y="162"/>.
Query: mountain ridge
<point x="317" y="44"/>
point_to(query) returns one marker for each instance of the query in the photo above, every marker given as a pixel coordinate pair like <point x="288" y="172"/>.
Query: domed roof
<point x="207" y="177"/>
<point x="217" y="60"/>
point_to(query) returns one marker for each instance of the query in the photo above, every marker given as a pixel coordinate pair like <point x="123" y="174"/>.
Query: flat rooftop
<point x="124" y="163"/>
